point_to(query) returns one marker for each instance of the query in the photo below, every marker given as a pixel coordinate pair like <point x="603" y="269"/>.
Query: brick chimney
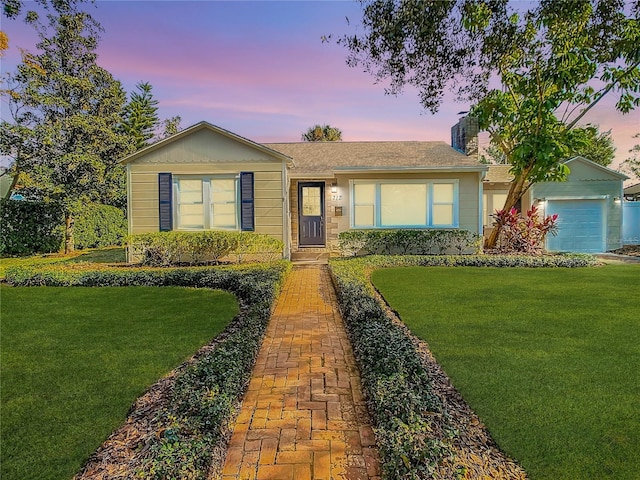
<point x="464" y="136"/>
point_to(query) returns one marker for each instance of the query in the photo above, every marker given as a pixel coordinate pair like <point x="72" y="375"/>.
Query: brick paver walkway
<point x="303" y="416"/>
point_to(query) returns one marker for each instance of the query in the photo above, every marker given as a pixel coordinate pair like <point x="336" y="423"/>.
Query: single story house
<point x="588" y="205"/>
<point x="305" y="194"/>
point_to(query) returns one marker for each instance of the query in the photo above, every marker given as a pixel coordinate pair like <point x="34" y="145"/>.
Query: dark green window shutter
<point x="165" y="195"/>
<point x="247" y="222"/>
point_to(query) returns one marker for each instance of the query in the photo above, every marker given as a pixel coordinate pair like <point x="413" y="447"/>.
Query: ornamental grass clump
<point x="520" y="234"/>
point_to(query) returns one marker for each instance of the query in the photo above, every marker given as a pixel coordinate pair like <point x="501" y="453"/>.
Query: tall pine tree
<point x="140" y="116"/>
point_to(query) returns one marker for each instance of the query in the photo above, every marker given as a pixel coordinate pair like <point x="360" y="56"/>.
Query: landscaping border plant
<point x="406" y="241"/>
<point x="178" y="247"/>
<point x="205" y="392"/>
<point x="413" y="430"/>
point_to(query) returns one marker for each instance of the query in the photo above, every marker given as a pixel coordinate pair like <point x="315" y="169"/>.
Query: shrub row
<point x="98" y="226"/>
<point x="405" y="242"/>
<point x="413" y="430"/>
<point x="174" y="248"/>
<point x="205" y="393"/>
<point x="30" y="227"/>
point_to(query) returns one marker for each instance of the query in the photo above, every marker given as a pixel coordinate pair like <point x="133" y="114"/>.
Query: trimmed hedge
<point x="174" y="248"/>
<point x="204" y="396"/>
<point x="98" y="225"/>
<point x="29" y="227"/>
<point x="407" y="241"/>
<point x="413" y="432"/>
<point x="412" y="428"/>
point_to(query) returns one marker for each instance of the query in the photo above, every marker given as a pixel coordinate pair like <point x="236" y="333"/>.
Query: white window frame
<point x="377" y="224"/>
<point x="206" y="200"/>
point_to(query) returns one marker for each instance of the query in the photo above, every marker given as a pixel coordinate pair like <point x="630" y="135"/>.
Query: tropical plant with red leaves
<point x="520" y="234"/>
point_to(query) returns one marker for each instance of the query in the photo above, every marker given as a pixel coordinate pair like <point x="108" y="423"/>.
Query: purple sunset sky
<point x="260" y="69"/>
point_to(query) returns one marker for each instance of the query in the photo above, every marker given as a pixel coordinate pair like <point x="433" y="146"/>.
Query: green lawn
<point x="548" y="358"/>
<point x="96" y="255"/>
<point x="74" y="360"/>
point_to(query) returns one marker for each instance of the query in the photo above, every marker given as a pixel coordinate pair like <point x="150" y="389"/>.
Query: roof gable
<point x="205" y="143"/>
<point x="584" y="169"/>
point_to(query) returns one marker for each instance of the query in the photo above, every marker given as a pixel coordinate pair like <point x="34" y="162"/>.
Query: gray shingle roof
<point x="327" y="157"/>
<point x="498" y="174"/>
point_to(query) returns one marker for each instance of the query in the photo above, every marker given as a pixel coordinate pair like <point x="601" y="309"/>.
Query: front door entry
<point x="311" y="214"/>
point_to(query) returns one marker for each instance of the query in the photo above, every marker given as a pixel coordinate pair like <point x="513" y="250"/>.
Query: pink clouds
<point x="261" y="70"/>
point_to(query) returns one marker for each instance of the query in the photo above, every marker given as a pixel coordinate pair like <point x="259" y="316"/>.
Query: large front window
<point x="204" y="203"/>
<point x="408" y="203"/>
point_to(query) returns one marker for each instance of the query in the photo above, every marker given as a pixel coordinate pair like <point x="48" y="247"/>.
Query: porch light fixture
<point x="334" y="188"/>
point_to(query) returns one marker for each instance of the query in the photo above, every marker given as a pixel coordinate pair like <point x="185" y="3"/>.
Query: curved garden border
<point x="423" y="426"/>
<point x="178" y="429"/>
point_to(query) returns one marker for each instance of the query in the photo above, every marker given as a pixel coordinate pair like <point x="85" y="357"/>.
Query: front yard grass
<point x="74" y="360"/>
<point x="548" y="358"/>
<point x="95" y="255"/>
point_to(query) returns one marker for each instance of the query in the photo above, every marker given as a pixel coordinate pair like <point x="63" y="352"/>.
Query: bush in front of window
<point x="208" y="246"/>
<point x="353" y="243"/>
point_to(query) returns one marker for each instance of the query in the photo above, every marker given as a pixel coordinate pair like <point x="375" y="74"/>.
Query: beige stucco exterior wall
<point x="468" y="214"/>
<point x="204" y="153"/>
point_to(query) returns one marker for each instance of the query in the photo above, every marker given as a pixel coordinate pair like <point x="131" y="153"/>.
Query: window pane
<point x="223" y="203"/>
<point x="192" y="209"/>
<point x="403" y="204"/>
<point x="485" y="206"/>
<point x="498" y="201"/>
<point x="191" y="221"/>
<point x="190" y="191"/>
<point x="224" y="215"/>
<point x="190" y="206"/>
<point x="191" y="216"/>
<point x="311" y="201"/>
<point x="363" y="216"/>
<point x="365" y="194"/>
<point x="443" y="192"/>
<point x="442" y="215"/>
<point x="224" y="221"/>
<point x="223" y="190"/>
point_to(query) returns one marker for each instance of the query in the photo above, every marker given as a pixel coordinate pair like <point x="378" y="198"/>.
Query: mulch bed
<point x="126" y="450"/>
<point x="629" y="250"/>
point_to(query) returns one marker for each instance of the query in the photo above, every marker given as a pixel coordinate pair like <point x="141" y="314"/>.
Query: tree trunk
<point x="518" y="187"/>
<point x="68" y="233"/>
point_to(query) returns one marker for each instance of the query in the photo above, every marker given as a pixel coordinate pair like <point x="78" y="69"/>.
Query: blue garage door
<point x="580" y="226"/>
